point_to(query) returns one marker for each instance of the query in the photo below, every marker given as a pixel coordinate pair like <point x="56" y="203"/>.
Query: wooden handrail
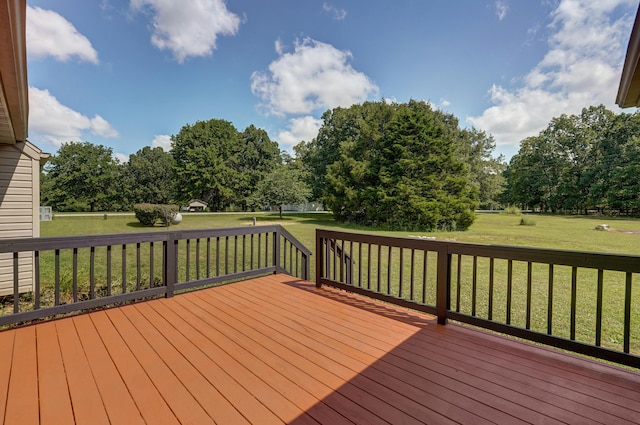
<point x="391" y="271"/>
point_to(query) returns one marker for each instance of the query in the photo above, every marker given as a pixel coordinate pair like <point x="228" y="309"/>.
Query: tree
<point x="148" y="177"/>
<point x="282" y="186"/>
<point x="397" y="168"/>
<point x="82" y="177"/>
<point x="255" y="156"/>
<point x="204" y="162"/>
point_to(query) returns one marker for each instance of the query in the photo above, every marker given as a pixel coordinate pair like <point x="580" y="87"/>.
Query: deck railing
<point x="584" y="302"/>
<point x="83" y="272"/>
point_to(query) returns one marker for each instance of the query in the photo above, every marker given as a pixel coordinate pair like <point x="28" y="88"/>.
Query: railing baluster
<point x="56" y="296"/>
<point x="458" y="283"/>
<point x="16" y="282"/>
<point x="490" y="306"/>
<point x="411" y="288"/>
<point x="151" y="266"/>
<point x="574" y="290"/>
<point x="226" y="255"/>
<point x="259" y="247"/>
<point x="474" y="285"/>
<point x="389" y="270"/>
<point x="350" y="264"/>
<point x="36" y="258"/>
<point x="368" y="266"/>
<point x="379" y="265"/>
<point x="425" y="259"/>
<point x="529" y="290"/>
<point x="124" y="269"/>
<point x="400" y="288"/>
<point x="251" y="268"/>
<point x="244" y="252"/>
<point x="92" y="272"/>
<point x="187" y="272"/>
<point x="284" y="254"/>
<point x="235" y="254"/>
<point x="109" y="270"/>
<point x="599" y="307"/>
<point x="139" y="268"/>
<point x="208" y="257"/>
<point x="75" y="275"/>
<point x="197" y="258"/>
<point x="509" y="290"/>
<point x="550" y="302"/>
<point x="627" y="312"/>
<point x="218" y="256"/>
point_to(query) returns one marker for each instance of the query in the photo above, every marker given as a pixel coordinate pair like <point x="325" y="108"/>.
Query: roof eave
<point x="14" y="93"/>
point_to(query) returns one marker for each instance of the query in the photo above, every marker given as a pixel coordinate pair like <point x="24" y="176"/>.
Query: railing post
<point x="443" y="285"/>
<point x="276" y="250"/>
<point x="171" y="264"/>
<point x="319" y="259"/>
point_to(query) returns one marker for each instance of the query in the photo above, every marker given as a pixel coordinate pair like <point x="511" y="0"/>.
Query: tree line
<point x="210" y="160"/>
<point x="579" y="164"/>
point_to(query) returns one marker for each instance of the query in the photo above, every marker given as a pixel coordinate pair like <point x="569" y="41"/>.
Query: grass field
<point x="556" y="232"/>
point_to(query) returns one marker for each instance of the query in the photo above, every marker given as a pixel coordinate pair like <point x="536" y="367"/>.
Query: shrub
<point x="512" y="210"/>
<point x="149" y="214"/>
<point x="525" y="221"/>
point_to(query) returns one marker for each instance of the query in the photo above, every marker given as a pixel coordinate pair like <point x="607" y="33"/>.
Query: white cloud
<point x="314" y="76"/>
<point x="49" y="34"/>
<point x="337" y="14"/>
<point x="121" y="158"/>
<point x="53" y="122"/>
<point x="188" y="28"/>
<point x="581" y="68"/>
<point x="299" y="129"/>
<point x="163" y="141"/>
<point x="501" y="10"/>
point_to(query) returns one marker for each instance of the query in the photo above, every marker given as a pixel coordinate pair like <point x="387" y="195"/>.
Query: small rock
<point x="603" y="227"/>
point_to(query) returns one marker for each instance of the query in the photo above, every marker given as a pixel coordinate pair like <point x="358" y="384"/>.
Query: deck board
<point x="277" y="350"/>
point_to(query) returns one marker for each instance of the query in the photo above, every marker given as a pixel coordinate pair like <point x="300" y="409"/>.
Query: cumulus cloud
<point x="121" y="157"/>
<point x="299" y="129"/>
<point x="52" y="122"/>
<point x="314" y="76"/>
<point x="189" y="28"/>
<point x="163" y="141"/>
<point x="581" y="68"/>
<point x="501" y="10"/>
<point x="49" y="34"/>
<point x="336" y="13"/>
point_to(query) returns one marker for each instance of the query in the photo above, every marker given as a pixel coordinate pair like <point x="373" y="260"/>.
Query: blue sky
<point x="129" y="74"/>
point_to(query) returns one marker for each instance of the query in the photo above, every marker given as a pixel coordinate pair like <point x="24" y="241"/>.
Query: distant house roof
<point x="14" y="96"/>
<point x="197" y="203"/>
<point x="629" y="90"/>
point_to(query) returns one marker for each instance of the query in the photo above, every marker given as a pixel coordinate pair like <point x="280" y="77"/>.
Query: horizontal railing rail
<point x="57" y="275"/>
<point x="584" y="302"/>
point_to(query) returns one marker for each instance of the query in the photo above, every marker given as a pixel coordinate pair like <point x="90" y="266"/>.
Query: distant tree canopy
<point x="394" y="165"/>
<point x="81" y="177"/>
<point x="579" y="163"/>
<point x="148" y="177"/>
<point x="216" y="163"/>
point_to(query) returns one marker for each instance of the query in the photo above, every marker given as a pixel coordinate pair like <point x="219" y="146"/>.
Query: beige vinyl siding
<point x="19" y="210"/>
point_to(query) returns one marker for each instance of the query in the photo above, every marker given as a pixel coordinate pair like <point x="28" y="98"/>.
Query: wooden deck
<point x="277" y="350"/>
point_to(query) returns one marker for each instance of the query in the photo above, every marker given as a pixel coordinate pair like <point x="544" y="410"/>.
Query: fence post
<point x="171" y="264"/>
<point x="319" y="258"/>
<point x="443" y="284"/>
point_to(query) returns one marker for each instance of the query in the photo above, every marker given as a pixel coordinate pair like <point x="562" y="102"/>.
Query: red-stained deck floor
<point x="277" y="350"/>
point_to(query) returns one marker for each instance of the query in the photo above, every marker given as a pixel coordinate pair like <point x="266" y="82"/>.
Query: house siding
<point x="19" y="210"/>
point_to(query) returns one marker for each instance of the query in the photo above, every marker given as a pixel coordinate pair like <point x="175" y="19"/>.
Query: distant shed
<point x="197" y="205"/>
<point x="19" y="207"/>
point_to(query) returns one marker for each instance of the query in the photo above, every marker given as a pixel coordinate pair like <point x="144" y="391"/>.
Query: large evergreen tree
<point x="395" y="166"/>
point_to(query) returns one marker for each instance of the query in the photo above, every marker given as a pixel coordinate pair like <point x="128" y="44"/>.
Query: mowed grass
<point x="554" y="232"/>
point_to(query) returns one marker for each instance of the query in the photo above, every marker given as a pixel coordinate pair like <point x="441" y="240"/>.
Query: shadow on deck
<point x="278" y="350"/>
